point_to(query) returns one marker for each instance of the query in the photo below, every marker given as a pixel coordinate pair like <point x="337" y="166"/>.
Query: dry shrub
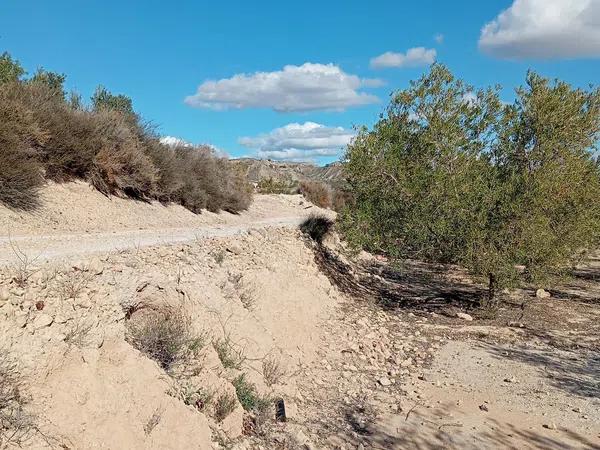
<point x="210" y="182"/>
<point x="164" y="334"/>
<point x="317" y="193"/>
<point x="43" y="135"/>
<point x="121" y="166"/>
<point x="273" y="371"/>
<point x="224" y="405"/>
<point x="20" y="138"/>
<point x="170" y="183"/>
<point x="16" y="425"/>
<point x="341" y="199"/>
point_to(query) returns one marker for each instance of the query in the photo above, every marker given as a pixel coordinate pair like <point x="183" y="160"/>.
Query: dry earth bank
<point x="300" y="322"/>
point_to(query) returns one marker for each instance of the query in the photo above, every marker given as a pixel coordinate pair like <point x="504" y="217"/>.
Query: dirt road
<point x="76" y="221"/>
<point x="74" y="245"/>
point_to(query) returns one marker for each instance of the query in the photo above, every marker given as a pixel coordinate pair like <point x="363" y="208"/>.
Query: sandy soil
<point x="352" y="373"/>
<point x="104" y="224"/>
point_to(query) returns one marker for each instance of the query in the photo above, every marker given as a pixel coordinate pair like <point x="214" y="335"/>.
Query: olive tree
<point x="449" y="174"/>
<point x="104" y="99"/>
<point x="10" y="69"/>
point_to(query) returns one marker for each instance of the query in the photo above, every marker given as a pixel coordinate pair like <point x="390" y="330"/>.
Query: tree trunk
<point x="492" y="285"/>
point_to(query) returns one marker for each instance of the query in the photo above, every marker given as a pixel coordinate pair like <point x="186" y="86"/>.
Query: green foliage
<point x="54" y="81"/>
<point x="103" y="99"/>
<point x="451" y="175"/>
<point x="247" y="395"/>
<point x="10" y="69"/>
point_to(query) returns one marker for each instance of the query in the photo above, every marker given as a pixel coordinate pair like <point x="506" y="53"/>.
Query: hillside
<point x="259" y="169"/>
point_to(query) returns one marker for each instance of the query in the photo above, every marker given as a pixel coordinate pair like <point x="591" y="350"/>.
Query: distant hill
<point x="258" y="169"/>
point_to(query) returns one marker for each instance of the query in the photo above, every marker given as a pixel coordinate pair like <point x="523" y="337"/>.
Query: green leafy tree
<point x="10" y="69"/>
<point x="451" y="175"/>
<point x="54" y="81"/>
<point x="103" y="99"/>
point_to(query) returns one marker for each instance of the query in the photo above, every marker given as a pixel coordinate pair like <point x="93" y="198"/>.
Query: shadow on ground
<point x="415" y="285"/>
<point x="435" y="429"/>
<point x="577" y="373"/>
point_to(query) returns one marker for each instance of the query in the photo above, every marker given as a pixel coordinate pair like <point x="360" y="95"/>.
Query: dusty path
<point x="76" y="220"/>
<point x="74" y="245"/>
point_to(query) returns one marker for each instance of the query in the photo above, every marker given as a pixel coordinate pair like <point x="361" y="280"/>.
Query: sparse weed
<point x="78" y="335"/>
<point x="273" y="371"/>
<point x="219" y="256"/>
<point x="198" y="397"/>
<point x="247" y="395"/>
<point x="248" y="299"/>
<point x="74" y="283"/>
<point x="230" y="354"/>
<point x="224" y="405"/>
<point x="153" y="421"/>
<point x="16" y="424"/>
<point x="23" y="267"/>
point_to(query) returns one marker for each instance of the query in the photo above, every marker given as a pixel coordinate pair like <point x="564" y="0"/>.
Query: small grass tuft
<point x="231" y="356"/>
<point x="224" y="405"/>
<point x="273" y="371"/>
<point x="247" y="395"/>
<point x="198" y="397"/>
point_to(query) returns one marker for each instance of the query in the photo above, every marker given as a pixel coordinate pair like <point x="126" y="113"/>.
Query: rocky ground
<point x="360" y="354"/>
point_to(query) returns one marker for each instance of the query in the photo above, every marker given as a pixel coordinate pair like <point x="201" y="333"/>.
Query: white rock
<point x="4" y="294"/>
<point x="233" y="248"/>
<point x="384" y="381"/>
<point x="464" y="316"/>
<point x="21" y="319"/>
<point x="42" y="321"/>
<point x="542" y="293"/>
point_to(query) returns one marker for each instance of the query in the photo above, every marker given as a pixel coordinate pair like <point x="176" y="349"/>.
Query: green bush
<point x="248" y="396"/>
<point x="476" y="183"/>
<point x="10" y="69"/>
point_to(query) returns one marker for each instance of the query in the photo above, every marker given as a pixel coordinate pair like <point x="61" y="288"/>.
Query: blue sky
<point x="159" y="53"/>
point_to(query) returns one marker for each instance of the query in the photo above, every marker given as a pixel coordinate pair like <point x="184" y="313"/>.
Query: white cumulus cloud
<point x="294" y="88"/>
<point x="299" y="142"/>
<point x="544" y="29"/>
<point x="173" y="141"/>
<point x="414" y="57"/>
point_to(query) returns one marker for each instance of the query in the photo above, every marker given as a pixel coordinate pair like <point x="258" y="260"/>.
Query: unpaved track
<point x="45" y="248"/>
